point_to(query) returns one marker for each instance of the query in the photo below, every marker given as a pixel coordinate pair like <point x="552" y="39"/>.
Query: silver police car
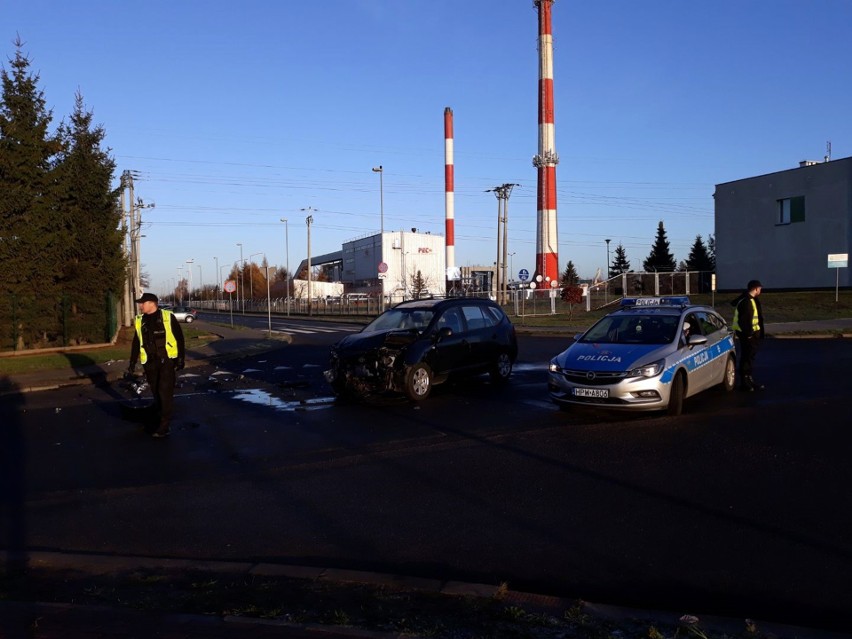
<point x="650" y="354"/>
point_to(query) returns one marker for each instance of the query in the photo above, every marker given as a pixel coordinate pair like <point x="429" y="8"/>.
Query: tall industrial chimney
<point x="449" y="193"/>
<point x="547" y="248"/>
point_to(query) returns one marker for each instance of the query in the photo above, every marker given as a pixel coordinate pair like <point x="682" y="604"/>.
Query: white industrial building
<point x="385" y="265"/>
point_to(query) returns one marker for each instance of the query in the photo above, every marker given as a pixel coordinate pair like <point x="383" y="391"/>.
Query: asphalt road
<point x="739" y="507"/>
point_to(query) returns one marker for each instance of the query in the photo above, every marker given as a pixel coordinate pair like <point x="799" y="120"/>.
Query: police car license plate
<point x="600" y="393"/>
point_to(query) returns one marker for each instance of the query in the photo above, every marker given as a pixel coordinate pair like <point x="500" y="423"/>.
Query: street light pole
<point x="251" y="278"/>
<point x="224" y="266"/>
<point x="287" y="258"/>
<point x="309" y="220"/>
<point x="607" y="258"/>
<point x="241" y="280"/>
<point x="200" y="282"/>
<point x="189" y="289"/>
<point x="218" y="284"/>
<point x="380" y="170"/>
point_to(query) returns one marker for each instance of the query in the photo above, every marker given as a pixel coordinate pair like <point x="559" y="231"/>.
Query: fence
<point x="522" y="301"/>
<point x="32" y="321"/>
<point x="597" y="295"/>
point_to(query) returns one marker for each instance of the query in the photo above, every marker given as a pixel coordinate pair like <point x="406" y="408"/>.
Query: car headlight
<point x="554" y="367"/>
<point x="648" y="370"/>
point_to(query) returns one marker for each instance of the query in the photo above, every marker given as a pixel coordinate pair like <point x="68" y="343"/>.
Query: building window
<point x="791" y="210"/>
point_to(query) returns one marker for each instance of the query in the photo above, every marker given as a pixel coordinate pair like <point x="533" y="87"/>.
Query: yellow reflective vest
<point x="171" y="344"/>
<point x="755" y="320"/>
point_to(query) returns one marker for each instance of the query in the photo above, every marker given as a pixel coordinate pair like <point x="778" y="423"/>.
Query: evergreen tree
<point x="569" y="275"/>
<point x="661" y="257"/>
<point x="29" y="242"/>
<point x="620" y="263"/>
<point x="699" y="258"/>
<point x="711" y="251"/>
<point x="418" y="284"/>
<point x="92" y="267"/>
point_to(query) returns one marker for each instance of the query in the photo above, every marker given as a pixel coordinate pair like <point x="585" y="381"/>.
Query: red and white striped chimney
<point x="547" y="248"/>
<point x="449" y="191"/>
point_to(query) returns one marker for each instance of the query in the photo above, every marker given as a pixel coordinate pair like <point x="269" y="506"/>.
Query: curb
<point x="101" y="565"/>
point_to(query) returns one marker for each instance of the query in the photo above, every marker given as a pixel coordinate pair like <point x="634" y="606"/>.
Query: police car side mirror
<point x="697" y="340"/>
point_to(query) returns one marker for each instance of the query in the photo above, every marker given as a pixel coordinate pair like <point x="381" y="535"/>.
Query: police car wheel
<point x="729" y="381"/>
<point x="676" y="397"/>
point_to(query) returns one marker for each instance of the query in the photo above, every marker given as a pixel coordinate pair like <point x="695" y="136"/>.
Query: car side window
<point x="710" y="323"/>
<point x="452" y="319"/>
<point x="474" y="317"/>
<point x="493" y="316"/>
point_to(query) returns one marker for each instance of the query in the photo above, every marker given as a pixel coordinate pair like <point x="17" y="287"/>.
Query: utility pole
<point x="287" y="259"/>
<point x="309" y="220"/>
<point x="132" y="226"/>
<point x="502" y="192"/>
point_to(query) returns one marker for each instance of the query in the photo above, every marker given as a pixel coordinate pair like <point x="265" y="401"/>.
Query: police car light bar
<point x="675" y="300"/>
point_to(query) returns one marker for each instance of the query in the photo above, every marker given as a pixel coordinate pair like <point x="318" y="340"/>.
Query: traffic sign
<point x="383" y="268"/>
<point x="523" y="275"/>
<point x="230" y="286"/>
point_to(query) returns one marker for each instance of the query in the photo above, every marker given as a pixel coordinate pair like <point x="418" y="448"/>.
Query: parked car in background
<point x="649" y="354"/>
<point x="418" y="344"/>
<point x="185" y="314"/>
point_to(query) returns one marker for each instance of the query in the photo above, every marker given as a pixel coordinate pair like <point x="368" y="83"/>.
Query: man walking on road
<point x="749" y="328"/>
<point x="158" y="344"/>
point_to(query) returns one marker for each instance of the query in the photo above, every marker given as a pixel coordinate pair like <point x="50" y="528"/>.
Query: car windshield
<point x="633" y="329"/>
<point x="400" y="318"/>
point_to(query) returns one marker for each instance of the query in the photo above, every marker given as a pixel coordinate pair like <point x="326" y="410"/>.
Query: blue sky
<point x="236" y="114"/>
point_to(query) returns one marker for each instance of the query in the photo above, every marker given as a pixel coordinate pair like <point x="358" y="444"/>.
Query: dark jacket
<point x="745" y="314"/>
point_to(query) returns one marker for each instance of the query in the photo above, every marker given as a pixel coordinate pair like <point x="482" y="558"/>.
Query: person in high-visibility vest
<point x="158" y="344"/>
<point x="749" y="328"/>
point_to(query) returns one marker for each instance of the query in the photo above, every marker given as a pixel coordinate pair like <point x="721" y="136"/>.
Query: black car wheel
<point x="418" y="382"/>
<point x="502" y="369"/>
<point x="676" y="397"/>
<point x="189" y="319"/>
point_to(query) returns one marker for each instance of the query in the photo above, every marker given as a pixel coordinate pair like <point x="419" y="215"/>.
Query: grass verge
<point x="78" y="359"/>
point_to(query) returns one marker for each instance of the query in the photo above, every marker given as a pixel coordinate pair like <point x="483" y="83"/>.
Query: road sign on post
<point x="523" y="275"/>
<point x="837" y="261"/>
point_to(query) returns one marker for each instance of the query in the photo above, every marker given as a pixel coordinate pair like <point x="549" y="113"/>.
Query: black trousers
<point x="748" y="350"/>
<point x="160" y="374"/>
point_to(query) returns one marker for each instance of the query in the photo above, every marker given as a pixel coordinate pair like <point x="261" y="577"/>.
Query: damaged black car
<point x="418" y="344"/>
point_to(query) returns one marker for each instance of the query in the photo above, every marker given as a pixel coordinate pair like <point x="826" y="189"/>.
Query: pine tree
<point x="711" y="251"/>
<point x="661" y="257"/>
<point x="620" y="263"/>
<point x="91" y="271"/>
<point x="699" y="259"/>
<point x="569" y="275"/>
<point x="29" y="241"/>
